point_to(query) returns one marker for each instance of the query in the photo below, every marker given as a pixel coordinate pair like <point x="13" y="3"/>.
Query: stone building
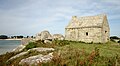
<point x="88" y="29"/>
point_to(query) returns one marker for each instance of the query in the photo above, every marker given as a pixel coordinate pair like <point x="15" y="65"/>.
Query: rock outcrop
<point x="19" y="48"/>
<point x="25" y="41"/>
<point x="47" y="37"/>
<point x="42" y="49"/>
<point x="44" y="35"/>
<point x="18" y="55"/>
<point x="58" y="36"/>
<point x="35" y="60"/>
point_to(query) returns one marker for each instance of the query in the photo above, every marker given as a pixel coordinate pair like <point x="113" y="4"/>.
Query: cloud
<point x="31" y="16"/>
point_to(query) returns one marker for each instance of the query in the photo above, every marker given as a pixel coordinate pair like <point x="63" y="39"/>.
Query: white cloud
<point x="36" y="15"/>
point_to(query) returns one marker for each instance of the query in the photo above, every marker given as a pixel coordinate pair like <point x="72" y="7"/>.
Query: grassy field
<point x="83" y="54"/>
<point x="71" y="53"/>
<point x="108" y="50"/>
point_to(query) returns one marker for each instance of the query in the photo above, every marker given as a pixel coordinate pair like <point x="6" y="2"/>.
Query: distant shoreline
<point x="10" y="39"/>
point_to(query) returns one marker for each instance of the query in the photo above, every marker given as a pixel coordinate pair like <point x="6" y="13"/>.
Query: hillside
<point x="67" y="53"/>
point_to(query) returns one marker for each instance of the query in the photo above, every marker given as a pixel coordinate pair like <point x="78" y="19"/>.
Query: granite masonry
<point x="88" y="29"/>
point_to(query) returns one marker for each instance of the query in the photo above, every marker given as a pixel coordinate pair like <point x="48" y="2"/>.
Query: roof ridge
<point x="99" y="15"/>
<point x="87" y="21"/>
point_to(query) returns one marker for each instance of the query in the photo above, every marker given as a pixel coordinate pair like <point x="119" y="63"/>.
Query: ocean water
<point x="8" y="45"/>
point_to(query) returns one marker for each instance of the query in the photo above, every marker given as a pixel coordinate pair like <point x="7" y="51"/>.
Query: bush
<point x="114" y="37"/>
<point x="61" y="42"/>
<point x="119" y="41"/>
<point x="30" y="45"/>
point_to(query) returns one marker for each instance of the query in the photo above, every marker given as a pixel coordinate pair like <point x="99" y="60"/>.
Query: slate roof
<point x="86" y="21"/>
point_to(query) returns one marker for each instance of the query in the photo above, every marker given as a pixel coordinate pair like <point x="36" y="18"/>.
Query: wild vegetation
<point x="71" y="53"/>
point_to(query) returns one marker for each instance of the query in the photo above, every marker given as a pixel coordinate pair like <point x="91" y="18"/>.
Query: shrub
<point x="30" y="45"/>
<point x="119" y="41"/>
<point x="61" y="42"/>
<point x="114" y="37"/>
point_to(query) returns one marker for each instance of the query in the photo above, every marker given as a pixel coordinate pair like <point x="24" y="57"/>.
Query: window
<point x="105" y="31"/>
<point x="86" y="33"/>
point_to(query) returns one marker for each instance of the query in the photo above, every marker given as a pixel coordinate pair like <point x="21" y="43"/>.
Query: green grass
<point x="72" y="53"/>
<point x="106" y="50"/>
<point x="83" y="54"/>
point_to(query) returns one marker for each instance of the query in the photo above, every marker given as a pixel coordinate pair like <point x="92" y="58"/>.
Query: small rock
<point x="47" y="41"/>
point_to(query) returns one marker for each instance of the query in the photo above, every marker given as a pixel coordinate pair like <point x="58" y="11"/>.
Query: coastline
<point x="10" y="39"/>
<point x="8" y="45"/>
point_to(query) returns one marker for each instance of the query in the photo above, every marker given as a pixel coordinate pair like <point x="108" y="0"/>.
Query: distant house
<point x="88" y="29"/>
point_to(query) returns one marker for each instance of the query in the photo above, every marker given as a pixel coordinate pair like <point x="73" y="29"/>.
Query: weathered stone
<point x="47" y="41"/>
<point x="35" y="60"/>
<point x="43" y="35"/>
<point x="25" y="41"/>
<point x="88" y="29"/>
<point x="58" y="36"/>
<point x="40" y="49"/>
<point x="19" y="48"/>
<point x="18" y="55"/>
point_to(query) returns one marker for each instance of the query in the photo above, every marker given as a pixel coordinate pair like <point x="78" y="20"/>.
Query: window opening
<point x="86" y="33"/>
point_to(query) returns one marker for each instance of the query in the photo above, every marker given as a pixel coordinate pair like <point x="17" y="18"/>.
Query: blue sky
<point x="28" y="17"/>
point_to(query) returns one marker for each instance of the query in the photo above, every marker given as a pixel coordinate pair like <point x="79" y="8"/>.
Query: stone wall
<point x="84" y="34"/>
<point x="105" y="31"/>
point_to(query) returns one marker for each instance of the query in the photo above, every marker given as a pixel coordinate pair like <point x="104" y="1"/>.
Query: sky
<point x="29" y="17"/>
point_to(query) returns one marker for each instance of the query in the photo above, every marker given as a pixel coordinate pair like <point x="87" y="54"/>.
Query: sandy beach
<point x="10" y="39"/>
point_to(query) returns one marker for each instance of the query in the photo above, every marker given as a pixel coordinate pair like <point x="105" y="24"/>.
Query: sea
<point x="8" y="45"/>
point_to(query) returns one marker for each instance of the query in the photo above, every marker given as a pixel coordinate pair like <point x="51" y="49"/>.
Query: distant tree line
<point x="3" y="37"/>
<point x="14" y="37"/>
<point x="22" y="37"/>
<point x="17" y="37"/>
<point x="115" y="39"/>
